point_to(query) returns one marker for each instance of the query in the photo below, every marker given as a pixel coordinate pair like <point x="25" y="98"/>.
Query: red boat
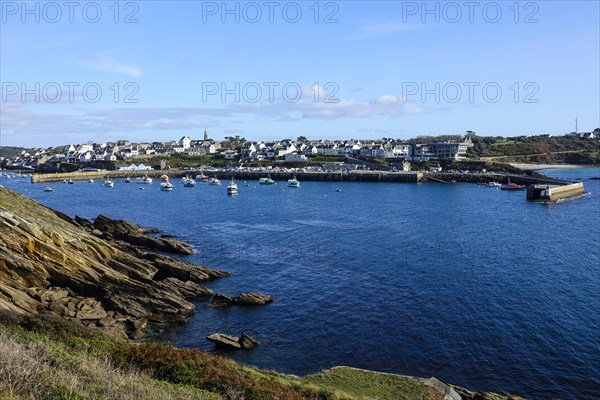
<point x="511" y="186"/>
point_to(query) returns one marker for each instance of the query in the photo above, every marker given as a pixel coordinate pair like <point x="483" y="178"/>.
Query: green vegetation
<point x="45" y="357"/>
<point x="366" y="384"/>
<point x="7" y="151"/>
<point x="181" y="160"/>
<point x="567" y="149"/>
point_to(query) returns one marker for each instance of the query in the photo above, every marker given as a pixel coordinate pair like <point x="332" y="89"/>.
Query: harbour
<point x="432" y="286"/>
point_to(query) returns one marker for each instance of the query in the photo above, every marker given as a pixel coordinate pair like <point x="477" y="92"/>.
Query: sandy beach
<point x="537" y="167"/>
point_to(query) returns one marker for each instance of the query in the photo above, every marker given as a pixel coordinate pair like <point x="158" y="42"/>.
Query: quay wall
<point x="353" y="176"/>
<point x="557" y="192"/>
<point x="449" y="177"/>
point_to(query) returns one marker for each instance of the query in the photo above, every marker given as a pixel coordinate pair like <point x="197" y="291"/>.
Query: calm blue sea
<point x="475" y="286"/>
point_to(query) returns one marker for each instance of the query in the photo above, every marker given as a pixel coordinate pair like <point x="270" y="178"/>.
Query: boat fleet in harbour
<point x="188" y="182"/>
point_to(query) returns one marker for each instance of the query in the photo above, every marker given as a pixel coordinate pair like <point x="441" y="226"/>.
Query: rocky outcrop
<point x="227" y="341"/>
<point x="48" y="261"/>
<point x="466" y="394"/>
<point x="131" y="233"/>
<point x="243" y="299"/>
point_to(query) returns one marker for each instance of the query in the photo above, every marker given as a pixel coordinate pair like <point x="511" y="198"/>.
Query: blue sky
<point x="354" y="70"/>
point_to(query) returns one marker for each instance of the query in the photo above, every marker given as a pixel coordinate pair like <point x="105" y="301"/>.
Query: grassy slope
<point x="46" y="357"/>
<point x="371" y="385"/>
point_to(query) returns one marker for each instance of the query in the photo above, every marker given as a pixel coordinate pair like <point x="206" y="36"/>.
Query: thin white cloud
<point x="318" y="103"/>
<point x="377" y="29"/>
<point x="110" y="64"/>
<point x="28" y="123"/>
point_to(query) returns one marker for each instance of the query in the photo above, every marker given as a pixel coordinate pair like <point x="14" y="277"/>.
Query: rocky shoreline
<point x="104" y="273"/>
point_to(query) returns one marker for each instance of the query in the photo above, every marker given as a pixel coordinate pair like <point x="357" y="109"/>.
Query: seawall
<point x="553" y="193"/>
<point x="353" y="176"/>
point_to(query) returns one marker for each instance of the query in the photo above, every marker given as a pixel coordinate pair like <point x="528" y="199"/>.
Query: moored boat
<point x="511" y="186"/>
<point x="48" y="189"/>
<point x="214" y="181"/>
<point x="127" y="180"/>
<point x="147" y="180"/>
<point x="266" y="181"/>
<point x="295" y="183"/>
<point x="165" y="185"/>
<point x="232" y="188"/>
<point x="189" y="182"/>
<point x="109" y="183"/>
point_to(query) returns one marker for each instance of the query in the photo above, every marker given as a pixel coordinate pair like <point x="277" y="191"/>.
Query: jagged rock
<point x="136" y="235"/>
<point x="57" y="239"/>
<point x="84" y="222"/>
<point x="223" y="340"/>
<point x="221" y="300"/>
<point x="91" y="276"/>
<point x="466" y="394"/>
<point x="252" y="299"/>
<point x="56" y="294"/>
<point x="247" y="341"/>
<point x="92" y="314"/>
<point x="243" y="342"/>
<point x="244" y="299"/>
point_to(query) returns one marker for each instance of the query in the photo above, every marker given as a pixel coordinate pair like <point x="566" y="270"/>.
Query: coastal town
<point x="385" y="153"/>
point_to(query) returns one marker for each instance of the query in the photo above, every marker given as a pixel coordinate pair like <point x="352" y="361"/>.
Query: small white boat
<point x="214" y="181"/>
<point x="165" y="185"/>
<point x="494" y="184"/>
<point x="294" y="183"/>
<point x="71" y="182"/>
<point x="48" y="189"/>
<point x="189" y="182"/>
<point x="232" y="188"/>
<point x="147" y="180"/>
<point x="127" y="180"/>
<point x="202" y="178"/>
<point x="109" y="183"/>
<point x="64" y="180"/>
<point x="91" y="180"/>
<point x="266" y="181"/>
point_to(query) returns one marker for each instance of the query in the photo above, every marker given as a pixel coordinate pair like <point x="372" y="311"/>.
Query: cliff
<point x="95" y="273"/>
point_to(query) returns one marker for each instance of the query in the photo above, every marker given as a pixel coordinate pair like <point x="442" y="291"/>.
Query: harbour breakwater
<point x="344" y="176"/>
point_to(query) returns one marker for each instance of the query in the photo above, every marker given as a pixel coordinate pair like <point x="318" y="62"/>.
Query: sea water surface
<point x="472" y="285"/>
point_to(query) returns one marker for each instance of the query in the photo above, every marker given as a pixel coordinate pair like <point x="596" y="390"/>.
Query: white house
<point x="328" y="149"/>
<point x="184" y="142"/>
<point x="295" y="157"/>
<point x="134" y="167"/>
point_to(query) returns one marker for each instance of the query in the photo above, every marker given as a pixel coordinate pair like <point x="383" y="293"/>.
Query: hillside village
<point x="113" y="155"/>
